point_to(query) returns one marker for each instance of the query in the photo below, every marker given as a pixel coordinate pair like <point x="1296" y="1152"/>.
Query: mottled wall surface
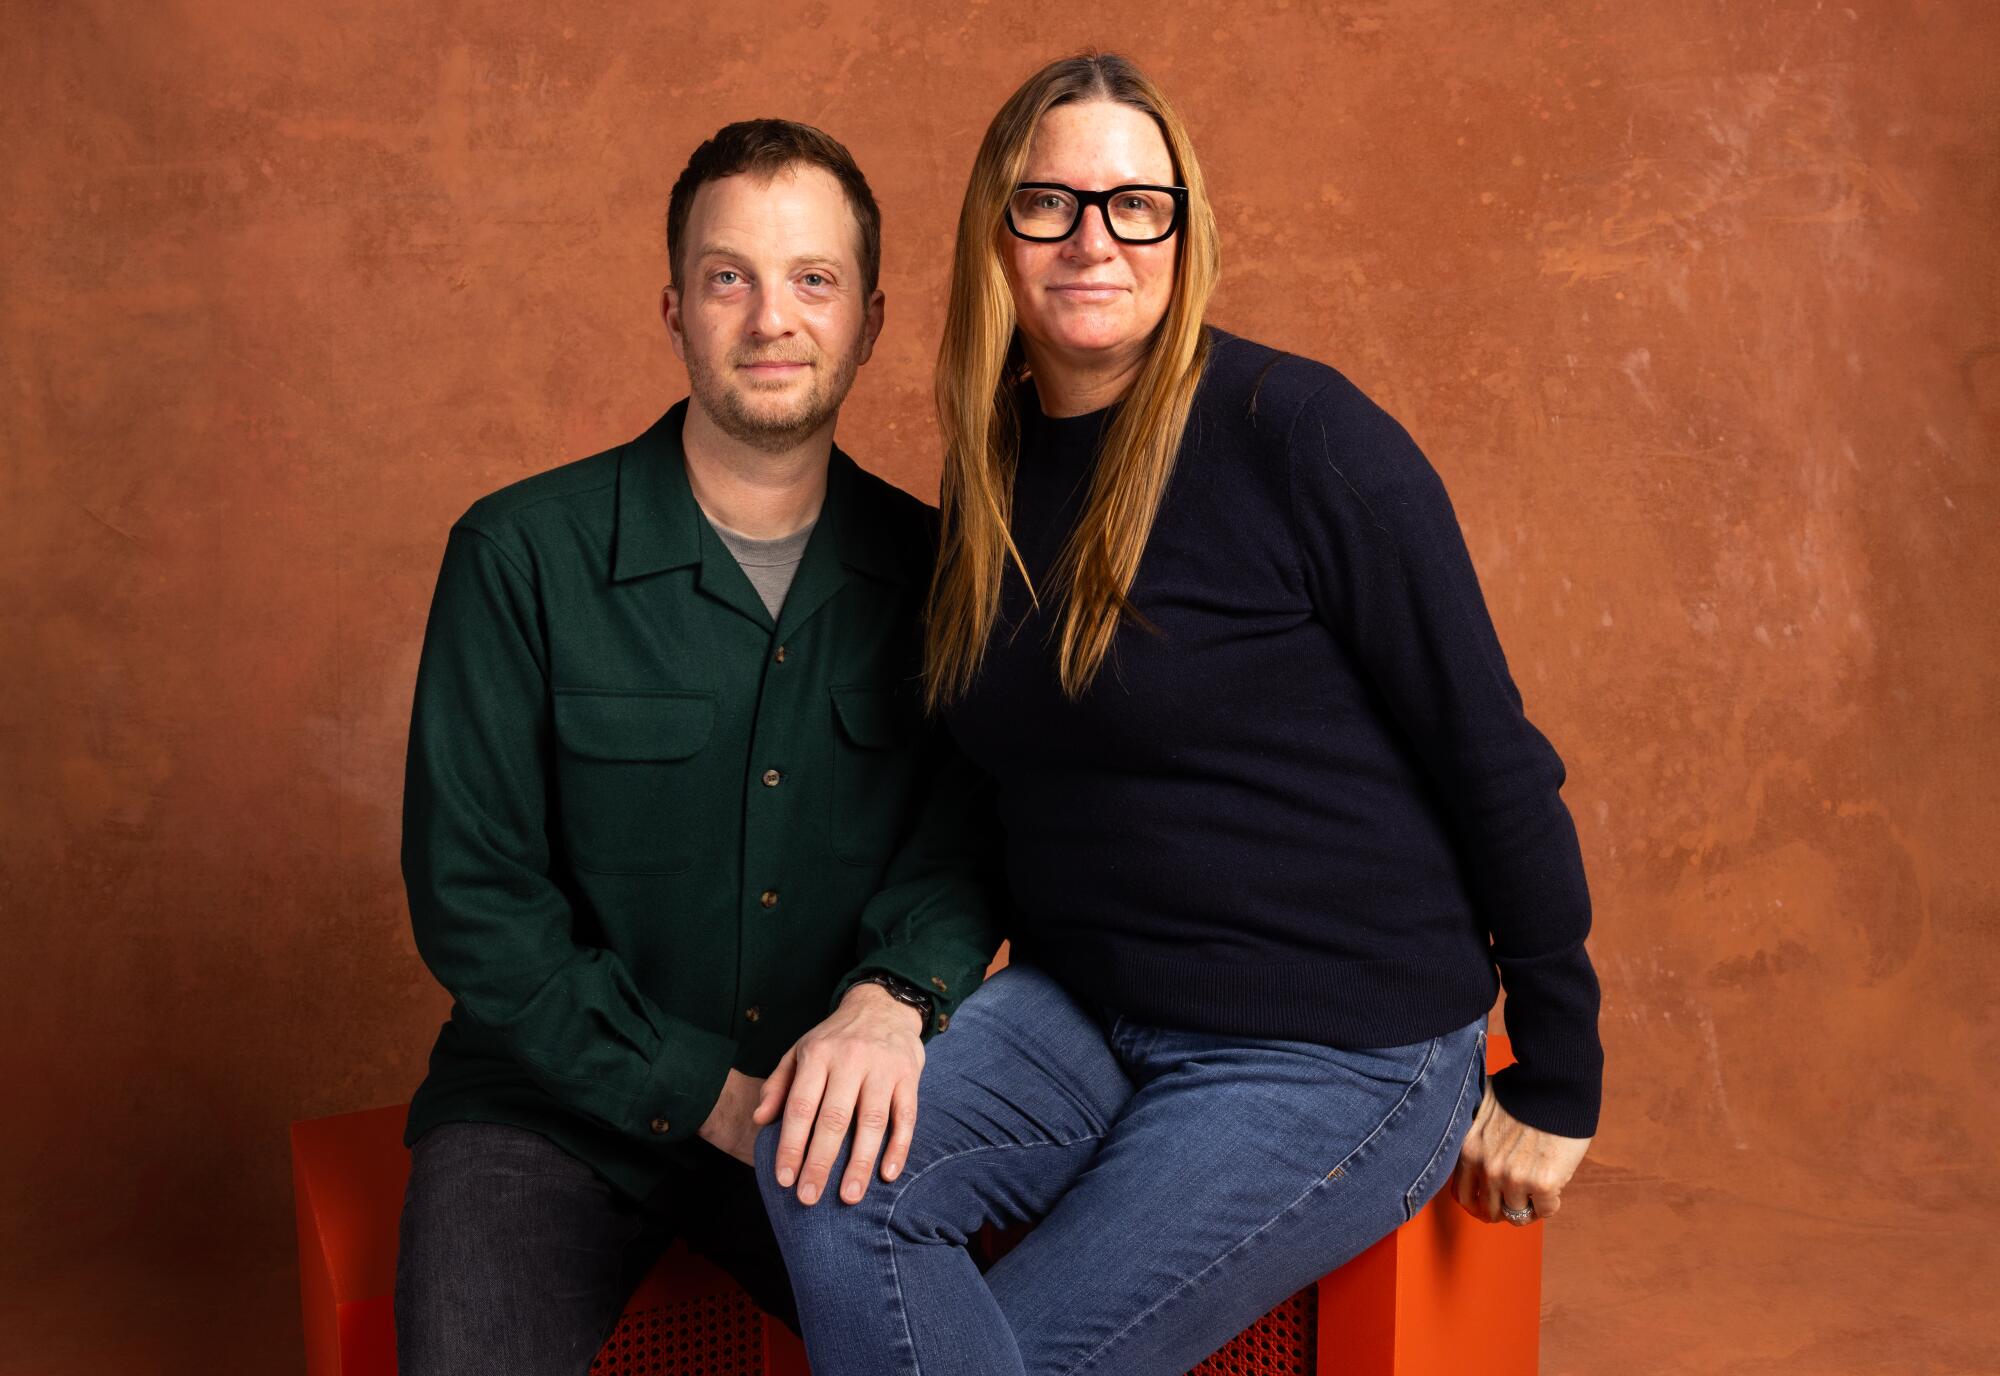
<point x="1693" y="304"/>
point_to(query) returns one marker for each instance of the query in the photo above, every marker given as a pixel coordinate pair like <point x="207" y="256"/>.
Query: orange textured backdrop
<point x="1693" y="304"/>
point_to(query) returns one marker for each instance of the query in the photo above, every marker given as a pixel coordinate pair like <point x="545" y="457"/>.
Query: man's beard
<point x="764" y="421"/>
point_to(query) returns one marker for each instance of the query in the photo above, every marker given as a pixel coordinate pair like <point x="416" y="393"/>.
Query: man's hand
<point x="1504" y="1161"/>
<point x="730" y="1127"/>
<point x="859" y="1067"/>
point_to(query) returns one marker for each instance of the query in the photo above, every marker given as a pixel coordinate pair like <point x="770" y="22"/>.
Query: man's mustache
<point x="749" y="360"/>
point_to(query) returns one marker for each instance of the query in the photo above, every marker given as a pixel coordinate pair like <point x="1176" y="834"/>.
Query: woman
<point x="1273" y="813"/>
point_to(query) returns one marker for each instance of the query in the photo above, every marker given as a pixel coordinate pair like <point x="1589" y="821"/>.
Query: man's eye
<point x="727" y="277"/>
<point x="816" y="279"/>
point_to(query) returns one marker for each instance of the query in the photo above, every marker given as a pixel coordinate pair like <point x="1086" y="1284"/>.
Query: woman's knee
<point x="829" y="1215"/>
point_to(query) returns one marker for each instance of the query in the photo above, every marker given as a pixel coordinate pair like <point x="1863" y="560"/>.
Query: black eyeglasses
<point x="1049" y="212"/>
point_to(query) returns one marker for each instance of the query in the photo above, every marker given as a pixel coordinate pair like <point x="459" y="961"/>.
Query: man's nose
<point x="772" y="313"/>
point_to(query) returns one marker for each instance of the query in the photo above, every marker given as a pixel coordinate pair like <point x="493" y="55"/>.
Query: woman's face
<point x="1091" y="300"/>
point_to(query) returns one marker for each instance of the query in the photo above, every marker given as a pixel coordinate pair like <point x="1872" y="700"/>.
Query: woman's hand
<point x="1506" y="1162"/>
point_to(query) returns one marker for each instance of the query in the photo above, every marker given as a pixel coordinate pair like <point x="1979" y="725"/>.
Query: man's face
<point x="770" y="315"/>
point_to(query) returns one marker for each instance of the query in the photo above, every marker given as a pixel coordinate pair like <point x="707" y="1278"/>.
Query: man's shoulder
<point x="893" y="519"/>
<point x="884" y="501"/>
<point x="510" y="511"/>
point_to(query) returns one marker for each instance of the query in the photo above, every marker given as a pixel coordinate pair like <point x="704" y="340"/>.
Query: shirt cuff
<point x="681" y="1087"/>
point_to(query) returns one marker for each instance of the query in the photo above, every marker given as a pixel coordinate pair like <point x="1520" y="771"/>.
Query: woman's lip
<point x="1087" y="288"/>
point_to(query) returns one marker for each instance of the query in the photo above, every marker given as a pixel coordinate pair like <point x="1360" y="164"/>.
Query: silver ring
<point x="1526" y="1215"/>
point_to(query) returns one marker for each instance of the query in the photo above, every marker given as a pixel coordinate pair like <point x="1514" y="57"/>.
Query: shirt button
<point x="944" y="1021"/>
<point x="939" y="985"/>
<point x="769" y="898"/>
<point x="780" y="655"/>
<point x="771" y="778"/>
<point x="660" y="1127"/>
<point x="753" y="1012"/>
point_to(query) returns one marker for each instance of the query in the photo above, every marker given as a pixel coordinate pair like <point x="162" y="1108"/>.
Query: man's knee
<point x="489" y="1211"/>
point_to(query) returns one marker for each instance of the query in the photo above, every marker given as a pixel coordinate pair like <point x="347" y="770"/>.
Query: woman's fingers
<point x="1489" y="1197"/>
<point x="1505" y="1164"/>
<point x="1468" y="1182"/>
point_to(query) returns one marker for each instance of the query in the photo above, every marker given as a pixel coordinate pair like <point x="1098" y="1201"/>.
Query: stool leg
<point x="1442" y="1295"/>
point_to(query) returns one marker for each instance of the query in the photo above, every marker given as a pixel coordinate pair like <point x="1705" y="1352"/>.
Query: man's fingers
<point x="836" y="1111"/>
<point x="903" y="1111"/>
<point x="871" y="1121"/>
<point x="801" y="1107"/>
<point x="775" y="1087"/>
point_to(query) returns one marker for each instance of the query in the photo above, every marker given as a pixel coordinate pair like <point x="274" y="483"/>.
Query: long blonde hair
<point x="980" y="365"/>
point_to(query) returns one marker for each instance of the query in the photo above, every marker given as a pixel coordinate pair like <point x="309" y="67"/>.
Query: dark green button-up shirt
<point x="648" y="835"/>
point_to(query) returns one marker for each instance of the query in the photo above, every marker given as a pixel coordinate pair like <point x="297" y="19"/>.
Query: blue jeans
<point x="1182" y="1184"/>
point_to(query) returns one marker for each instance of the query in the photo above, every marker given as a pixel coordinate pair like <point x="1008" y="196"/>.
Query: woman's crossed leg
<point x="1181" y="1185"/>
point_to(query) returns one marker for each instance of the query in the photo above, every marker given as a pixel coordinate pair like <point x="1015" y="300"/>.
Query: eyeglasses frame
<point x="1102" y="200"/>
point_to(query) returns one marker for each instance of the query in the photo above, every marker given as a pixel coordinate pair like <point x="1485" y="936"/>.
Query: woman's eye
<point x="1048" y="202"/>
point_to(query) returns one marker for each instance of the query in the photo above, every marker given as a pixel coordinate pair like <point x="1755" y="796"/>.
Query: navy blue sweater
<point x="1307" y="803"/>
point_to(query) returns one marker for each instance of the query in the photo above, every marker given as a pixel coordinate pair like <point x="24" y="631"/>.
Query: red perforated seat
<point x="1444" y="1295"/>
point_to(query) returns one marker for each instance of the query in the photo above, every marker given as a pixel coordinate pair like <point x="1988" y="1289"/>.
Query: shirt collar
<point x="659" y="524"/>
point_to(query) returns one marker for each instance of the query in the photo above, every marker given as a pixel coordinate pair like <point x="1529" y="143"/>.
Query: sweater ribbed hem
<point x="1314" y="998"/>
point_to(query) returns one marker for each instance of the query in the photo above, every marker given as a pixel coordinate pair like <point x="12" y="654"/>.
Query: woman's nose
<point x="1091" y="239"/>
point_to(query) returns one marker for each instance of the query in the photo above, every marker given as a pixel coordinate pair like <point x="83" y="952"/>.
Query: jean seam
<point x="889" y="1219"/>
<point x="1457" y="1108"/>
<point x="1320" y="1183"/>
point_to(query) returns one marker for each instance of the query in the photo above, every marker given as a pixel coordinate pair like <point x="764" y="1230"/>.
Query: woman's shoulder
<point x="1283" y="402"/>
<point x="1272" y="390"/>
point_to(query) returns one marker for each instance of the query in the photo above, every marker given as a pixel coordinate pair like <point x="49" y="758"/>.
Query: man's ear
<point x="871" y="326"/>
<point x="670" y="312"/>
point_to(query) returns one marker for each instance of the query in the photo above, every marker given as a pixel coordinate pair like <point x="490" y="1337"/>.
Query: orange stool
<point x="1440" y="1296"/>
<point x="687" y="1318"/>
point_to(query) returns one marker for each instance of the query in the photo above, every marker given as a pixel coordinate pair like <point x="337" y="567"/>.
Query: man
<point x="672" y="817"/>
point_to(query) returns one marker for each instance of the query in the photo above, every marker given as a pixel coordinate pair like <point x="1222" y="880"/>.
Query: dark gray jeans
<point x="515" y="1258"/>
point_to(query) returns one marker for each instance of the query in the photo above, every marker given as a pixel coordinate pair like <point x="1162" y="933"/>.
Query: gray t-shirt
<point x="769" y="564"/>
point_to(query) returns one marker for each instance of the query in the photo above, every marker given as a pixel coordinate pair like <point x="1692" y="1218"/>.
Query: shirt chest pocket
<point x="630" y="779"/>
<point x="875" y="754"/>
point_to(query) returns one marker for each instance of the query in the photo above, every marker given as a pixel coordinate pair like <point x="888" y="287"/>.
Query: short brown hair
<point x="767" y="147"/>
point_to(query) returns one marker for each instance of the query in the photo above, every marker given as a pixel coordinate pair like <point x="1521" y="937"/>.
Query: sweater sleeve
<point x="1389" y="573"/>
